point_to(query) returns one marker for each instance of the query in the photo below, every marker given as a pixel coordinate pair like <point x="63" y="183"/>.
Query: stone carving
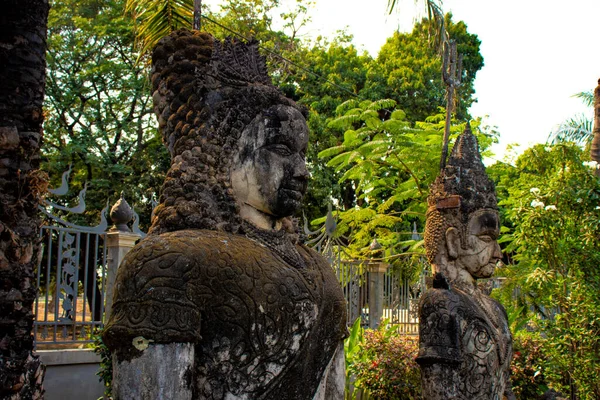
<point x="220" y="287"/>
<point x="465" y="346"/>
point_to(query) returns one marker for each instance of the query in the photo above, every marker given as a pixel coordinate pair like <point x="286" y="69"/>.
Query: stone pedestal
<point x="162" y="372"/>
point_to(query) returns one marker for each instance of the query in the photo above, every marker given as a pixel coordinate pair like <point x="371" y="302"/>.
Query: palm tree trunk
<point x="595" y="149"/>
<point x="197" y="15"/>
<point x="22" y="78"/>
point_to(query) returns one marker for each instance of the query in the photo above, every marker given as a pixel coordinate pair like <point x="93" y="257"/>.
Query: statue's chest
<point x="257" y="317"/>
<point x="487" y="350"/>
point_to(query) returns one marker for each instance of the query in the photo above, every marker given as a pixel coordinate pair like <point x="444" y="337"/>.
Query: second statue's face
<point x="481" y="252"/>
<point x="269" y="172"/>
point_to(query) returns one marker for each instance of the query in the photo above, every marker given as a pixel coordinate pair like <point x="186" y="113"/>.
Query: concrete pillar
<point x="377" y="271"/>
<point x="119" y="241"/>
<point x="118" y="244"/>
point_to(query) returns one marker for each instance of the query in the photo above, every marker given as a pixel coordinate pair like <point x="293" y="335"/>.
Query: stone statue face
<point x="480" y="251"/>
<point x="269" y="172"/>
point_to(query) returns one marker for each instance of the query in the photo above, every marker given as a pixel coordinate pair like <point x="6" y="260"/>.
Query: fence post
<point x="377" y="272"/>
<point x="119" y="240"/>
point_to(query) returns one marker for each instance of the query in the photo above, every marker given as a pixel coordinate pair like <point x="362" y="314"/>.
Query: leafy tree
<point x="408" y="71"/>
<point x="390" y="164"/>
<point x="337" y="74"/>
<point x="554" y="284"/>
<point x="98" y="105"/>
<point x="22" y="65"/>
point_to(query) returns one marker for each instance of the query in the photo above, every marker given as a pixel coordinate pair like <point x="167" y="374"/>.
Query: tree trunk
<point x="22" y="78"/>
<point x="595" y="150"/>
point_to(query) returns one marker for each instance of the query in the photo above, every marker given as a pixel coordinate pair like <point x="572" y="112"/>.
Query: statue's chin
<point x="287" y="205"/>
<point x="487" y="271"/>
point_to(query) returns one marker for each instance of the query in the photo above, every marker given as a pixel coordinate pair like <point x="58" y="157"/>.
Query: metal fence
<point x="71" y="274"/>
<point x="71" y="285"/>
<point x="395" y="297"/>
<point x="401" y="302"/>
<point x="400" y="297"/>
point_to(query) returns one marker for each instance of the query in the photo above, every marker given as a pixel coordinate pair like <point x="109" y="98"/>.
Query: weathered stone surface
<point x="257" y="324"/>
<point x="333" y="384"/>
<point x="163" y="372"/>
<point x="221" y="270"/>
<point x="465" y="346"/>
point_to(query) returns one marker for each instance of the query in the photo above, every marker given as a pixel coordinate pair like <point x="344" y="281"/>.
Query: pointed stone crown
<point x="463" y="184"/>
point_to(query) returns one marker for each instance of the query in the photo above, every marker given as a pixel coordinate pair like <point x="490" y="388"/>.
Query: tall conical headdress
<point x="463" y="183"/>
<point x="461" y="188"/>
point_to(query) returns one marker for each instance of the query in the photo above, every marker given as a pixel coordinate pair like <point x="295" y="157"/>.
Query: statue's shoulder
<point x="187" y="248"/>
<point x="499" y="306"/>
<point x="166" y="279"/>
<point x="439" y="296"/>
<point x="312" y="256"/>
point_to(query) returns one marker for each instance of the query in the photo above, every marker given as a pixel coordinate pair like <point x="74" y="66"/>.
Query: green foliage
<point x="157" y="18"/>
<point x="383" y="364"/>
<point x="527" y="370"/>
<point x="435" y="14"/>
<point x="390" y="164"/>
<point x="408" y="70"/>
<point x="578" y="128"/>
<point x="552" y="235"/>
<point x="98" y="107"/>
<point x="105" y="371"/>
<point x="352" y="351"/>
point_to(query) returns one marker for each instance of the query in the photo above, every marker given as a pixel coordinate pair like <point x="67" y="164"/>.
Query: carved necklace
<point x="276" y="241"/>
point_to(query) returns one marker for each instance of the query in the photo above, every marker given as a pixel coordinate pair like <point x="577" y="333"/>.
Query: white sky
<point x="537" y="53"/>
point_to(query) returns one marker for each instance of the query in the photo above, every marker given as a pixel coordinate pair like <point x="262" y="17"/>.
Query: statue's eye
<point x="280" y="149"/>
<point x="487" y="238"/>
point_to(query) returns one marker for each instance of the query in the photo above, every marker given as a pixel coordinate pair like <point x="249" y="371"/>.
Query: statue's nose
<point x="300" y="170"/>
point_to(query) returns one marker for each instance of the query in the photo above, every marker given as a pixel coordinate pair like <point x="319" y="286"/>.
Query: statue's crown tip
<point x="466" y="150"/>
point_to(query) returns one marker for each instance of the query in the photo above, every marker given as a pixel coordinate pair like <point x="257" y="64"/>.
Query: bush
<point x="105" y="372"/>
<point x="527" y="371"/>
<point x="384" y="365"/>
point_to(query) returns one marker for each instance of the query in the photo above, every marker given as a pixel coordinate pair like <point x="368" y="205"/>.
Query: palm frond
<point x="577" y="129"/>
<point x="435" y="13"/>
<point x="586" y="97"/>
<point x="157" y="18"/>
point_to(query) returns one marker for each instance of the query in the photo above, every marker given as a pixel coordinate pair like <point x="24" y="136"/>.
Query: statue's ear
<point x="452" y="242"/>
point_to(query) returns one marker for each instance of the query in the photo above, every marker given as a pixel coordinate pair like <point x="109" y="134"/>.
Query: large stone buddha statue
<point x="465" y="346"/>
<point x="220" y="301"/>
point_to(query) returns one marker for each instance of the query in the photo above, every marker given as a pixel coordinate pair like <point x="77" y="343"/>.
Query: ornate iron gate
<point x="70" y="275"/>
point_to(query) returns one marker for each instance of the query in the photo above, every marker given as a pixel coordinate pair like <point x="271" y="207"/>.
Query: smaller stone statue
<point x="465" y="346"/>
